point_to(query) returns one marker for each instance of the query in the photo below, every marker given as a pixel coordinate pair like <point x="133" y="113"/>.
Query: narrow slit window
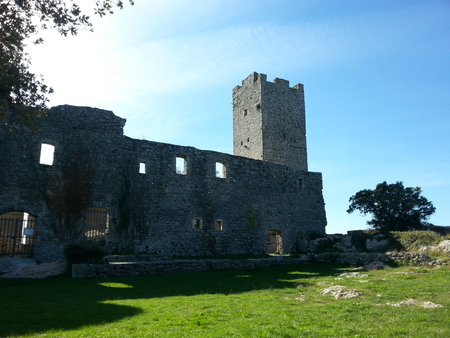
<point x="47" y="154"/>
<point x="142" y="168"/>
<point x="219" y="225"/>
<point x="181" y="165"/>
<point x="197" y="223"/>
<point x="221" y="170"/>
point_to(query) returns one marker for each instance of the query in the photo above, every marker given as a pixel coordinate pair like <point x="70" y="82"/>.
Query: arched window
<point x="17" y="234"/>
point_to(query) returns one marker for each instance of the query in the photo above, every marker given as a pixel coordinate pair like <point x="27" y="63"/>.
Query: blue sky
<point x="376" y="76"/>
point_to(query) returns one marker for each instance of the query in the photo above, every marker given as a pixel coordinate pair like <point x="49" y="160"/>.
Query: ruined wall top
<point x="86" y="118"/>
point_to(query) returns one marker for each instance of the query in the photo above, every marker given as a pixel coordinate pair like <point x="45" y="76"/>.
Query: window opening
<point x="97" y="224"/>
<point x="47" y="154"/>
<point x="300" y="183"/>
<point x="221" y="170"/>
<point x="197" y="223"/>
<point x="181" y="165"/>
<point x="142" y="168"/>
<point x="245" y="112"/>
<point x="219" y="225"/>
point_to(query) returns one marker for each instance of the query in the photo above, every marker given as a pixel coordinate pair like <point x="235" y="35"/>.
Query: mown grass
<point x="273" y="302"/>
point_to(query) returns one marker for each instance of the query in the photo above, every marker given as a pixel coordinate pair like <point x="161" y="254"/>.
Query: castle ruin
<point x="136" y="196"/>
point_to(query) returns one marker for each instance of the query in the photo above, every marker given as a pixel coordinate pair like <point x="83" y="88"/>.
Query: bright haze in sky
<point x="376" y="76"/>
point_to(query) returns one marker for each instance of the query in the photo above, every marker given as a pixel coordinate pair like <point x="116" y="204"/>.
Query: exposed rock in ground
<point x="352" y="275"/>
<point x="339" y="291"/>
<point x="414" y="302"/>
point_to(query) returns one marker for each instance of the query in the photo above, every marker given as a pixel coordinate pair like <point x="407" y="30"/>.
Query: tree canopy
<point x="20" y="21"/>
<point x="394" y="207"/>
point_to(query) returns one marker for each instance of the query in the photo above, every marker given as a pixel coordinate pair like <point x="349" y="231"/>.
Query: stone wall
<point x="151" y="208"/>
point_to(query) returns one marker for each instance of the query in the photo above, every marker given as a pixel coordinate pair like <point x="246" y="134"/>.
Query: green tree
<point x="394" y="207"/>
<point x="21" y="91"/>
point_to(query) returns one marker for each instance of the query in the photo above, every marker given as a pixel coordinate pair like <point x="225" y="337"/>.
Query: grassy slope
<point x="256" y="303"/>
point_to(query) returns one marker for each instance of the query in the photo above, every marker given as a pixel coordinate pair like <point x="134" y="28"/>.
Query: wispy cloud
<point x="100" y="71"/>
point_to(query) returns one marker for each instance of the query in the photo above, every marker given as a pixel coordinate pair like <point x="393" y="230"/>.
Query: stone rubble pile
<point x="415" y="258"/>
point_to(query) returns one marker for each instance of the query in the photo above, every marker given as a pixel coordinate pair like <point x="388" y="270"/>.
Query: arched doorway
<point x="274" y="242"/>
<point x="17" y="234"/>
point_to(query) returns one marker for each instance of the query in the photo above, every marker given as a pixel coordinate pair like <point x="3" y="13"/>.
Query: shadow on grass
<point x="63" y="303"/>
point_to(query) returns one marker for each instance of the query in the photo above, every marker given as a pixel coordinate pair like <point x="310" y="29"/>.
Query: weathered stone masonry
<point x="268" y="195"/>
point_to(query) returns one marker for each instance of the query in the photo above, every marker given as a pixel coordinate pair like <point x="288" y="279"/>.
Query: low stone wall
<point x="140" y="268"/>
<point x="134" y="269"/>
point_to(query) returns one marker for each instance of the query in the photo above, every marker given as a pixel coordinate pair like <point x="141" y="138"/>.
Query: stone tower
<point x="269" y="121"/>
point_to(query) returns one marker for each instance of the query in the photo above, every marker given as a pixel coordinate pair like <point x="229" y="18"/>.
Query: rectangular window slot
<point x="181" y="165"/>
<point x="221" y="170"/>
<point x="219" y="225"/>
<point x="142" y="168"/>
<point x="47" y="154"/>
<point x="197" y="223"/>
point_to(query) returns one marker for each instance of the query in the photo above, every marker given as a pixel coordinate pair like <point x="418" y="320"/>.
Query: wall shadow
<point x="63" y="303"/>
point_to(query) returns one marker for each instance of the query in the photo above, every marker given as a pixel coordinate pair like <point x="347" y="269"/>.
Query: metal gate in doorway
<point x="274" y="242"/>
<point x="17" y="234"/>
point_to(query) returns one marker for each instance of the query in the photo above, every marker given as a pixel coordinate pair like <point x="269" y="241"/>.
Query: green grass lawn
<point x="273" y="302"/>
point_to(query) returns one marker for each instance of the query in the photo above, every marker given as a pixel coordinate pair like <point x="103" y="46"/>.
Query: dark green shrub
<point x="79" y="253"/>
